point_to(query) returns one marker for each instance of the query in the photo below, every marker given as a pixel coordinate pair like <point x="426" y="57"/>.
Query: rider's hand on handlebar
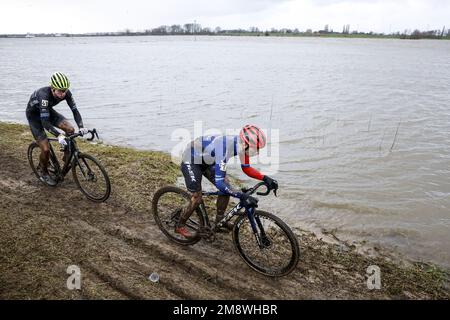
<point x="249" y="201"/>
<point x="271" y="183"/>
<point x="84" y="131"/>
<point x="62" y="140"/>
<point x="245" y="190"/>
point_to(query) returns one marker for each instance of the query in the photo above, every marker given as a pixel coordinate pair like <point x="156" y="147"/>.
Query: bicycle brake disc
<point x="91" y="177"/>
<point x="266" y="242"/>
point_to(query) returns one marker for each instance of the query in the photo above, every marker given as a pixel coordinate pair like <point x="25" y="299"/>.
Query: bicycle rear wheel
<point x="279" y="252"/>
<point x="33" y="159"/>
<point x="167" y="205"/>
<point x="91" y="178"/>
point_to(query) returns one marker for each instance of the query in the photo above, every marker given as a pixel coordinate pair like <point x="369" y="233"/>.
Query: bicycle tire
<point x="103" y="196"/>
<point x="34" y="147"/>
<point x="167" y="225"/>
<point x="294" y="253"/>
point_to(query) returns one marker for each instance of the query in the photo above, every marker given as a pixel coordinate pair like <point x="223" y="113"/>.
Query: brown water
<point x="364" y="125"/>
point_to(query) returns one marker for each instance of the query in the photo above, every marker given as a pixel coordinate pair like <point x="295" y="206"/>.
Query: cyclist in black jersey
<point x="41" y="116"/>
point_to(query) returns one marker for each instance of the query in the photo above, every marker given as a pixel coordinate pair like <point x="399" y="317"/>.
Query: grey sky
<point x="21" y="16"/>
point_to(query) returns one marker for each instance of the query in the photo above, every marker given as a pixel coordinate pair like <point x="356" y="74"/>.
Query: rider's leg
<point x="45" y="155"/>
<point x="196" y="199"/>
<point x="66" y="126"/>
<point x="68" y="129"/>
<point x="40" y="137"/>
<point x="222" y="200"/>
<point x="44" y="158"/>
<point x="186" y="212"/>
<point x="193" y="178"/>
<point x="221" y="205"/>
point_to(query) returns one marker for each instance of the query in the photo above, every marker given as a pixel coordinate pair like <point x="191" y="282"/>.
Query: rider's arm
<point x="222" y="184"/>
<point x="249" y="171"/>
<point x="73" y="107"/>
<point x="221" y="170"/>
<point x="45" y="117"/>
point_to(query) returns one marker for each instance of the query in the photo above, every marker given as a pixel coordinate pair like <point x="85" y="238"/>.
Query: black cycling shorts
<point x="193" y="175"/>
<point x="37" y="129"/>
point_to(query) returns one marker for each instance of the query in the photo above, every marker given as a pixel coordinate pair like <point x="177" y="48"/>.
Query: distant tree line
<point x="433" y="34"/>
<point x="197" y="29"/>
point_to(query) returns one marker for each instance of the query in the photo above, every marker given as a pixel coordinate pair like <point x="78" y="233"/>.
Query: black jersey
<point x="41" y="104"/>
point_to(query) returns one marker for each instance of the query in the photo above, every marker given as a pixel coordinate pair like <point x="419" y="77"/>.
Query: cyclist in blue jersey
<point x="41" y="117"/>
<point x="208" y="156"/>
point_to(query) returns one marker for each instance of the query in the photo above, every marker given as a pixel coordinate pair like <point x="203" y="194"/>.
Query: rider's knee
<point x="223" y="197"/>
<point x="45" y="153"/>
<point x="196" y="198"/>
<point x="70" y="130"/>
<point x="222" y="203"/>
<point x="45" y="148"/>
<point x="67" y="127"/>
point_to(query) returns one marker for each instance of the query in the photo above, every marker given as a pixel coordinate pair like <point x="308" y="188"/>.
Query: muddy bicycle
<point x="263" y="240"/>
<point x="89" y="174"/>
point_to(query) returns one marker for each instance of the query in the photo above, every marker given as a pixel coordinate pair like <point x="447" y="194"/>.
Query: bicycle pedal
<point x="222" y="230"/>
<point x="210" y="239"/>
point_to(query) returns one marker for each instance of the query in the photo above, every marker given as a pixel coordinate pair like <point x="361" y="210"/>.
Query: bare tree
<point x="176" y="29"/>
<point x="189" y="27"/>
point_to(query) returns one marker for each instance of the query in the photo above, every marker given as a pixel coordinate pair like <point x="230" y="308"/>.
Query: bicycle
<point x="263" y="241"/>
<point x="86" y="170"/>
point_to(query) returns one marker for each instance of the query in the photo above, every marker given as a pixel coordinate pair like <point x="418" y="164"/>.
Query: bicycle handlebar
<point x="257" y="186"/>
<point x="93" y="133"/>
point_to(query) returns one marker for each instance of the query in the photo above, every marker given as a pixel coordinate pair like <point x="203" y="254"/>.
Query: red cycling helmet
<point x="253" y="137"/>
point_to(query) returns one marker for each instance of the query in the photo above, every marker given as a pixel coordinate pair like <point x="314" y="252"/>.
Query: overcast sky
<point x="80" y="16"/>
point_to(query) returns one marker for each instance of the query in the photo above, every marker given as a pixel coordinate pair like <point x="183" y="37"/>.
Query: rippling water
<point x="364" y="125"/>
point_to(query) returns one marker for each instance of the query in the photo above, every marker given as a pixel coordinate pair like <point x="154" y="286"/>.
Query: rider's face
<point x="252" y="151"/>
<point x="60" y="94"/>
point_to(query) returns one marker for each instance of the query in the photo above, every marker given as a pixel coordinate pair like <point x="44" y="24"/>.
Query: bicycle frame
<point x="72" y="154"/>
<point x="227" y="217"/>
<point x="254" y="221"/>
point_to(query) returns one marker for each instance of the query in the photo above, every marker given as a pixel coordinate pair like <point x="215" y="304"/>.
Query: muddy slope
<point x="117" y="244"/>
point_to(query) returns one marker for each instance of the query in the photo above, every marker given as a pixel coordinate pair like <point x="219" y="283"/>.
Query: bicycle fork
<point x="261" y="237"/>
<point x="85" y="170"/>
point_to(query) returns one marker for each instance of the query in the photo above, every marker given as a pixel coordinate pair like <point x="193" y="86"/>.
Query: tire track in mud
<point x="203" y="271"/>
<point x="106" y="270"/>
<point x="221" y="285"/>
<point x="187" y="264"/>
<point x="117" y="244"/>
<point x="204" y="257"/>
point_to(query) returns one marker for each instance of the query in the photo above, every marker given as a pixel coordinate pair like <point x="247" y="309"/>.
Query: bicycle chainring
<point x="207" y="234"/>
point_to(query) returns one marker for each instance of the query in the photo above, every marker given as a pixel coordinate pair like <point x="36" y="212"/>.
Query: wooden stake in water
<point x="271" y="109"/>
<point x="382" y="139"/>
<point x="395" y="137"/>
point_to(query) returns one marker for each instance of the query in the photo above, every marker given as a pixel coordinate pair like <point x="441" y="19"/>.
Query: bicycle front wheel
<point x="91" y="178"/>
<point x="278" y="253"/>
<point x="167" y="205"/>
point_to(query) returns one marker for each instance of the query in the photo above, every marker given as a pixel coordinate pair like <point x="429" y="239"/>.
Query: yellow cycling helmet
<point x="59" y="81"/>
